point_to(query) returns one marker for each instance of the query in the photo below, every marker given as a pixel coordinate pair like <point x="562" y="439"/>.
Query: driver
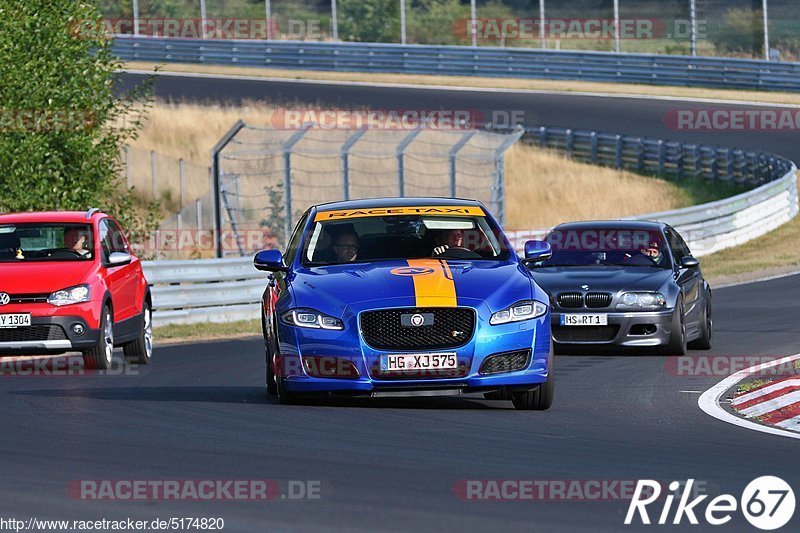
<point x="448" y="240"/>
<point x="345" y="246"/>
<point x="76" y="240"/>
<point x="648" y="255"/>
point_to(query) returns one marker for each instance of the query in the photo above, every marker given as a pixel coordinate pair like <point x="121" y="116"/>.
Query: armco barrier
<point x="467" y="61"/>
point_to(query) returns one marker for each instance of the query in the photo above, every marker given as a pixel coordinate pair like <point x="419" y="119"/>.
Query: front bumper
<point x="51" y="330"/>
<point x="298" y="344"/>
<point x="634" y="329"/>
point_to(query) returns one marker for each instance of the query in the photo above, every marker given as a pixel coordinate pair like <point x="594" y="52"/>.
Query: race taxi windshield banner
<point x="348" y="214"/>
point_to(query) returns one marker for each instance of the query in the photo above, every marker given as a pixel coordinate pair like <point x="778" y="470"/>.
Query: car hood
<point x="332" y="289"/>
<point x="43" y="277"/>
<point x="605" y="279"/>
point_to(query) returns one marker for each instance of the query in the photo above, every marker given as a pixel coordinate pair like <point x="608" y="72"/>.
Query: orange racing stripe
<point x="437" y="288"/>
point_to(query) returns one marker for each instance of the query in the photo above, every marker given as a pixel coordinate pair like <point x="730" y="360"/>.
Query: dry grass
<point x="544" y="188"/>
<point x="479" y="82"/>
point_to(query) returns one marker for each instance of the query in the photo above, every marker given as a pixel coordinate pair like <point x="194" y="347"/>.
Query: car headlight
<point x="641" y="300"/>
<point x="309" y="318"/>
<point x="72" y="295"/>
<point x="524" y="310"/>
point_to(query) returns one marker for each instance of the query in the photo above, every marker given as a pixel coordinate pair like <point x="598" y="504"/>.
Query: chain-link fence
<point x="267" y="177"/>
<point x="704" y="27"/>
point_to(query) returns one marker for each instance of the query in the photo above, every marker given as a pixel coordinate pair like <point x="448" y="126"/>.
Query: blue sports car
<point x="405" y="297"/>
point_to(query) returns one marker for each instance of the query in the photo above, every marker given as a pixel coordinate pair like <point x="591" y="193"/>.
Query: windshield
<point x="45" y="242"/>
<point x="606" y="247"/>
<point x="469" y="236"/>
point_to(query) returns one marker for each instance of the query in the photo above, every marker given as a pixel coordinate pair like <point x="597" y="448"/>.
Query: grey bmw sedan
<point x="625" y="284"/>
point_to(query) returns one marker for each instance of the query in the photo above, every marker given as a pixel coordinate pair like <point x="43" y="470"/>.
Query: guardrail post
<point x="618" y="140"/>
<point x="353" y="139"/>
<point x="198" y="205"/>
<point x="287" y="180"/>
<point x="679" y="162"/>
<point x="662" y="158"/>
<point x="570" y="142"/>
<point x="698" y="161"/>
<point x="215" y="177"/>
<point x="452" y="155"/>
<point x="715" y="164"/>
<point x="593" y="150"/>
<point x="401" y="150"/>
<point x="543" y="136"/>
<point x="640" y="156"/>
<point x="728" y="165"/>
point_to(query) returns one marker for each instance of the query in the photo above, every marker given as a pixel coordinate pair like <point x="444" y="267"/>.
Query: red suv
<point x="70" y="282"/>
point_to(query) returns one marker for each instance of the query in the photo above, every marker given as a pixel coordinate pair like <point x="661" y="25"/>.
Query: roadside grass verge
<point x="174" y="333"/>
<point x="480" y="82"/>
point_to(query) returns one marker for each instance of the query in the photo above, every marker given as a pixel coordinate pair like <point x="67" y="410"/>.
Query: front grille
<point x="452" y="327"/>
<point x="598" y="300"/>
<point x="41" y="332"/>
<point x="28" y="298"/>
<point x="506" y="362"/>
<point x="570" y="300"/>
<point x="585" y="333"/>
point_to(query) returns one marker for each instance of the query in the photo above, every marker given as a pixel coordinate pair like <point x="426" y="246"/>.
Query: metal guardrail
<point x="467" y="61"/>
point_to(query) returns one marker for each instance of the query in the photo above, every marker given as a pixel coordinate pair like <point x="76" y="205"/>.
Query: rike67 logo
<point x="767" y="503"/>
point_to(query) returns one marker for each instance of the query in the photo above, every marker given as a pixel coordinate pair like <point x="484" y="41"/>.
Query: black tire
<point x="677" y="341"/>
<point x="140" y="351"/>
<point x="706" y="329"/>
<point x="270" y="384"/>
<point x="540" y="398"/>
<point x="101" y="355"/>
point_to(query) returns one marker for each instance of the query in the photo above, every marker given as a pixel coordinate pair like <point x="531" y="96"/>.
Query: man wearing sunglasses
<point x="345" y="247"/>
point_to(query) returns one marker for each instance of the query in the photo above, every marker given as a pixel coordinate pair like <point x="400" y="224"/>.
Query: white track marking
<point x="709" y="401"/>
<point x="769" y="389"/>
<point x="771" y="405"/>
<point x="792" y="424"/>
<point x="492" y="90"/>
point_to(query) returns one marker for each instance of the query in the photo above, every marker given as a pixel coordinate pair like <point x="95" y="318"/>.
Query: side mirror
<point x="687" y="261"/>
<point x="269" y="261"/>
<point x="537" y="251"/>
<point x="119" y="259"/>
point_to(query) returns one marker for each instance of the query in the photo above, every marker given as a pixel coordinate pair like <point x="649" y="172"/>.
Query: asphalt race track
<point x="199" y="411"/>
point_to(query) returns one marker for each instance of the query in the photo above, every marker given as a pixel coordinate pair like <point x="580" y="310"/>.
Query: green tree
<point x="369" y="21"/>
<point x="61" y="125"/>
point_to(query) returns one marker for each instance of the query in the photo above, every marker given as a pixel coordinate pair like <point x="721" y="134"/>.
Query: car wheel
<point x="677" y="340"/>
<point x="271" y="386"/>
<point x="100" y="356"/>
<point x="706" y="330"/>
<point x="140" y="351"/>
<point x="540" y="398"/>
